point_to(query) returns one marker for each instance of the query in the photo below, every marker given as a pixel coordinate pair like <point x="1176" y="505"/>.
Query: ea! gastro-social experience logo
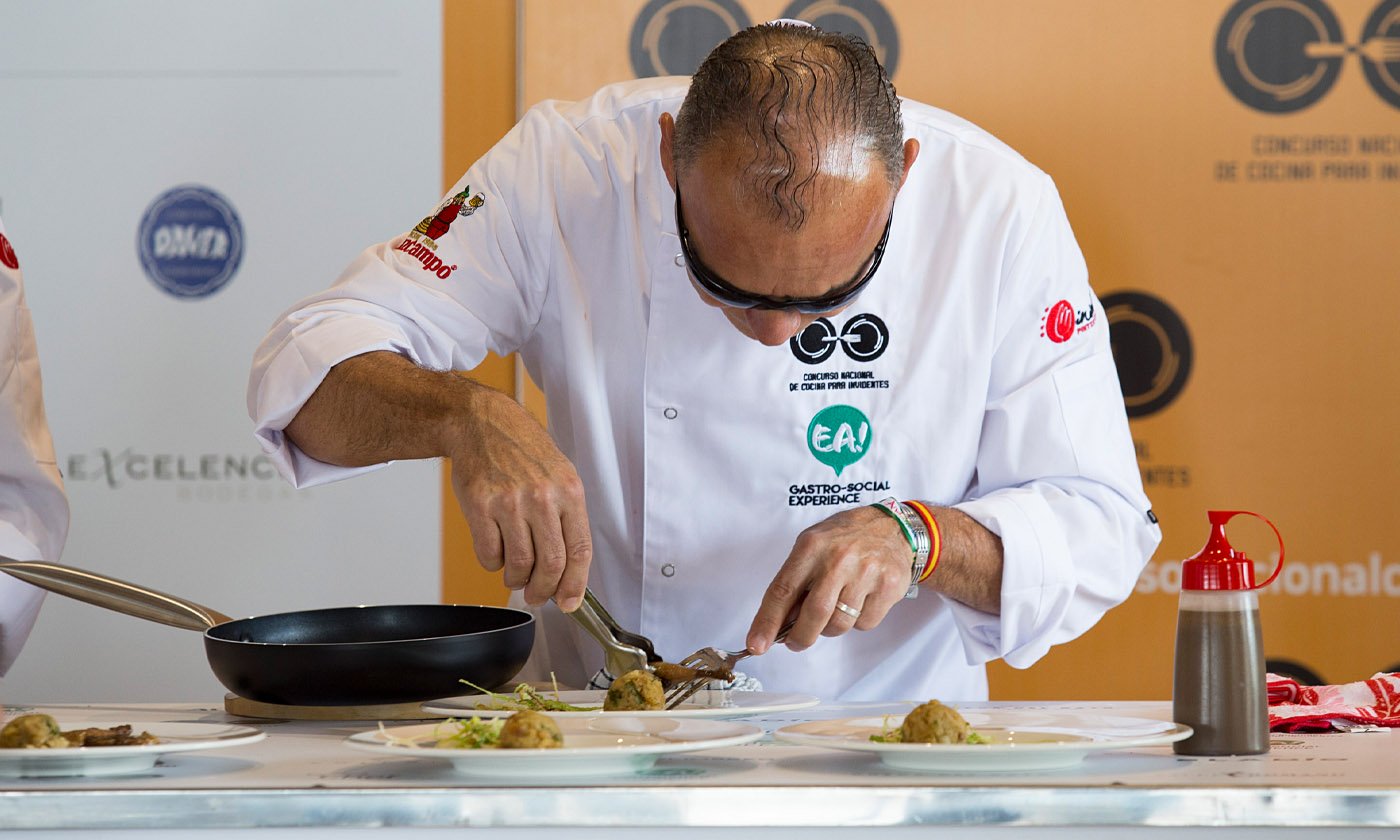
<point x="1280" y="56"/>
<point x="838" y="436"/>
<point x="190" y="241"/>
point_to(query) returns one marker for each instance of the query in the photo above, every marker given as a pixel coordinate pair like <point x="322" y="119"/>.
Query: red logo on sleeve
<point x="432" y="227"/>
<point x="7" y="254"/>
<point x="1061" y="321"/>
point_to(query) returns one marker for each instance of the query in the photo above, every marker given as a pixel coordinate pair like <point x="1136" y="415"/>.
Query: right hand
<point x="524" y="502"/>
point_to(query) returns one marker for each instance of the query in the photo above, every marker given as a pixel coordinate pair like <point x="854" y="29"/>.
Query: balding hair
<point x="791" y="98"/>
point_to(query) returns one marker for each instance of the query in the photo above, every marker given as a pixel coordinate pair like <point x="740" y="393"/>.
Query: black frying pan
<point x="346" y="656"/>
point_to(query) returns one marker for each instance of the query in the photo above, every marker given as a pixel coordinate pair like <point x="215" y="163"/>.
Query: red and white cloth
<point x="1322" y="708"/>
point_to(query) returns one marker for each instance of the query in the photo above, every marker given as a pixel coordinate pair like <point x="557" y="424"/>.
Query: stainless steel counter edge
<point x="698" y="807"/>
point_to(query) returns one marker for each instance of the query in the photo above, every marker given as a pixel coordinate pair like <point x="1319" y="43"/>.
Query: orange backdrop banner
<point x="1232" y="171"/>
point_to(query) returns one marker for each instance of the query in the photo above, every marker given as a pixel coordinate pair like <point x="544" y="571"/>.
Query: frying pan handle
<point x="115" y="594"/>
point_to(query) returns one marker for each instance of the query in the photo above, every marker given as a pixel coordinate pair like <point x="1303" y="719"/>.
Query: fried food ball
<point x="934" y="723"/>
<point x="635" y="691"/>
<point x="32" y="731"/>
<point x="529" y="730"/>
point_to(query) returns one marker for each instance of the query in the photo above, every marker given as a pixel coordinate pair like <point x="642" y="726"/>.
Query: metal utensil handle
<point x="777" y="640"/>
<point x="114" y="594"/>
<point x="785" y="630"/>
<point x="624" y="636"/>
<point x="619" y="658"/>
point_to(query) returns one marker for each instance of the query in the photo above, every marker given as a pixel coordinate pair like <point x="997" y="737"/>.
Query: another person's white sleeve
<point x="33" y="507"/>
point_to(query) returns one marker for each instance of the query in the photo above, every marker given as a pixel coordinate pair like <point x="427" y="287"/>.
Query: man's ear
<point x="911" y="153"/>
<point x="668" y="135"/>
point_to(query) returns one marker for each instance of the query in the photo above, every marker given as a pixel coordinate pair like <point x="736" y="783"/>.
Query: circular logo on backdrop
<point x="1279" y="55"/>
<point x="672" y="37"/>
<point x="1151" y="349"/>
<point x="867" y="19"/>
<point x="7" y="253"/>
<point x="864" y="338"/>
<point x="1380" y="51"/>
<point x="190" y="241"/>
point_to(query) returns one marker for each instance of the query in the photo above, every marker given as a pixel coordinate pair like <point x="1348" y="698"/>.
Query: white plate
<point x="1019" y="739"/>
<point x="593" y="745"/>
<point x="705" y="704"/>
<point x="110" y="761"/>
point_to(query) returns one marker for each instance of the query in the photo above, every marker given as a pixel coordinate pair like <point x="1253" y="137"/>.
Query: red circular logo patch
<point x="1059" y="322"/>
<point x="7" y="254"/>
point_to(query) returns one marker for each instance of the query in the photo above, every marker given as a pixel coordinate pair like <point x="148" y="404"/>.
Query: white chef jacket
<point x="975" y="371"/>
<point x="33" y="507"/>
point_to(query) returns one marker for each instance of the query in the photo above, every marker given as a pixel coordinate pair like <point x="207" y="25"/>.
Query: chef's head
<point x="785" y="159"/>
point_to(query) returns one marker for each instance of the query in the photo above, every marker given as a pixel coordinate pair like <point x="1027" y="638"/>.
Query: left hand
<point x="857" y="557"/>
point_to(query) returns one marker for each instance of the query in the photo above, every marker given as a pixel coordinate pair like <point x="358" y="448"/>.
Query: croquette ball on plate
<point x="934" y="723"/>
<point x="635" y="691"/>
<point x="32" y="731"/>
<point x="529" y="730"/>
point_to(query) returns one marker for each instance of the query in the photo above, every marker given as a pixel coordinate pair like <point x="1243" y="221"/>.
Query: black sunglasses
<point x="731" y="296"/>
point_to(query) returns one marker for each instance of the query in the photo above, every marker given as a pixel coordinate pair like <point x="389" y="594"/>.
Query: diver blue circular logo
<point x="672" y="37"/>
<point x="190" y="241"/>
<point x="868" y="20"/>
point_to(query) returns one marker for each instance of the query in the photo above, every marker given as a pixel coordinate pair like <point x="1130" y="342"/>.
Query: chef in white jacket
<point x="758" y="302"/>
<point x="33" y="507"/>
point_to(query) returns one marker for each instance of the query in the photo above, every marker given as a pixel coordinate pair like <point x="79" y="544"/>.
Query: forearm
<point x="380" y="407"/>
<point x="970" y="563"/>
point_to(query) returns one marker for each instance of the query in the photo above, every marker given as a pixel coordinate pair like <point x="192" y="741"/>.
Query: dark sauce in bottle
<point x="1219" y="686"/>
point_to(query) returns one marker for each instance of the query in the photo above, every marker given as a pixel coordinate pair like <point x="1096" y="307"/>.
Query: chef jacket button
<point x="679" y="260"/>
<point x="671" y="413"/>
<point x="669" y="570"/>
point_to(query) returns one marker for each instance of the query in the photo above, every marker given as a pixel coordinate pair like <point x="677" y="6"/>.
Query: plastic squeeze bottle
<point x="1218" y="688"/>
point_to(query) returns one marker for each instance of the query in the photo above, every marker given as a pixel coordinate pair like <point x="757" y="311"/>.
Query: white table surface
<point x="302" y="781"/>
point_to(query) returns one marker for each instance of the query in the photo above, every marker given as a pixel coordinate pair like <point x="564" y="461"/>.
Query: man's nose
<point x="773" y="326"/>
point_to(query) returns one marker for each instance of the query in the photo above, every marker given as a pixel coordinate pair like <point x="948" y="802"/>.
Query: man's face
<point x="734" y="239"/>
<point x="767" y="317"/>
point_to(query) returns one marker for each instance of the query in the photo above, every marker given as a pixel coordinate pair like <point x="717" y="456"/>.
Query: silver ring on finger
<point x="847" y="609"/>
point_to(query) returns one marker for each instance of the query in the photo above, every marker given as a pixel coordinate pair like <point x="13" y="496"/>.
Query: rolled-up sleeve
<point x="1057" y="476"/>
<point x="292" y="363"/>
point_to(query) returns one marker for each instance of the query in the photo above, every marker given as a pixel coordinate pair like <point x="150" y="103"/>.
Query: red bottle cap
<point x="1218" y="566"/>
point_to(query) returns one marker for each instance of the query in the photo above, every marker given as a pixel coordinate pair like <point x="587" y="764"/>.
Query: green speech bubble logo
<point x="838" y="436"/>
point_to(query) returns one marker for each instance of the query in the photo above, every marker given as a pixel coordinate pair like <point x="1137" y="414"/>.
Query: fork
<point x="713" y="659"/>
<point x="1380" y="50"/>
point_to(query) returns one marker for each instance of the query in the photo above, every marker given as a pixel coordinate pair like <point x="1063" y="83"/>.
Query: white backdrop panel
<point x="320" y="123"/>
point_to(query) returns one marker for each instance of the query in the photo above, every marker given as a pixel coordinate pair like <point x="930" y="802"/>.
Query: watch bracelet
<point x="921" y="542"/>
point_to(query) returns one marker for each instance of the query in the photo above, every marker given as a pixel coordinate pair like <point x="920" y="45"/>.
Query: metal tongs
<point x="623" y="650"/>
